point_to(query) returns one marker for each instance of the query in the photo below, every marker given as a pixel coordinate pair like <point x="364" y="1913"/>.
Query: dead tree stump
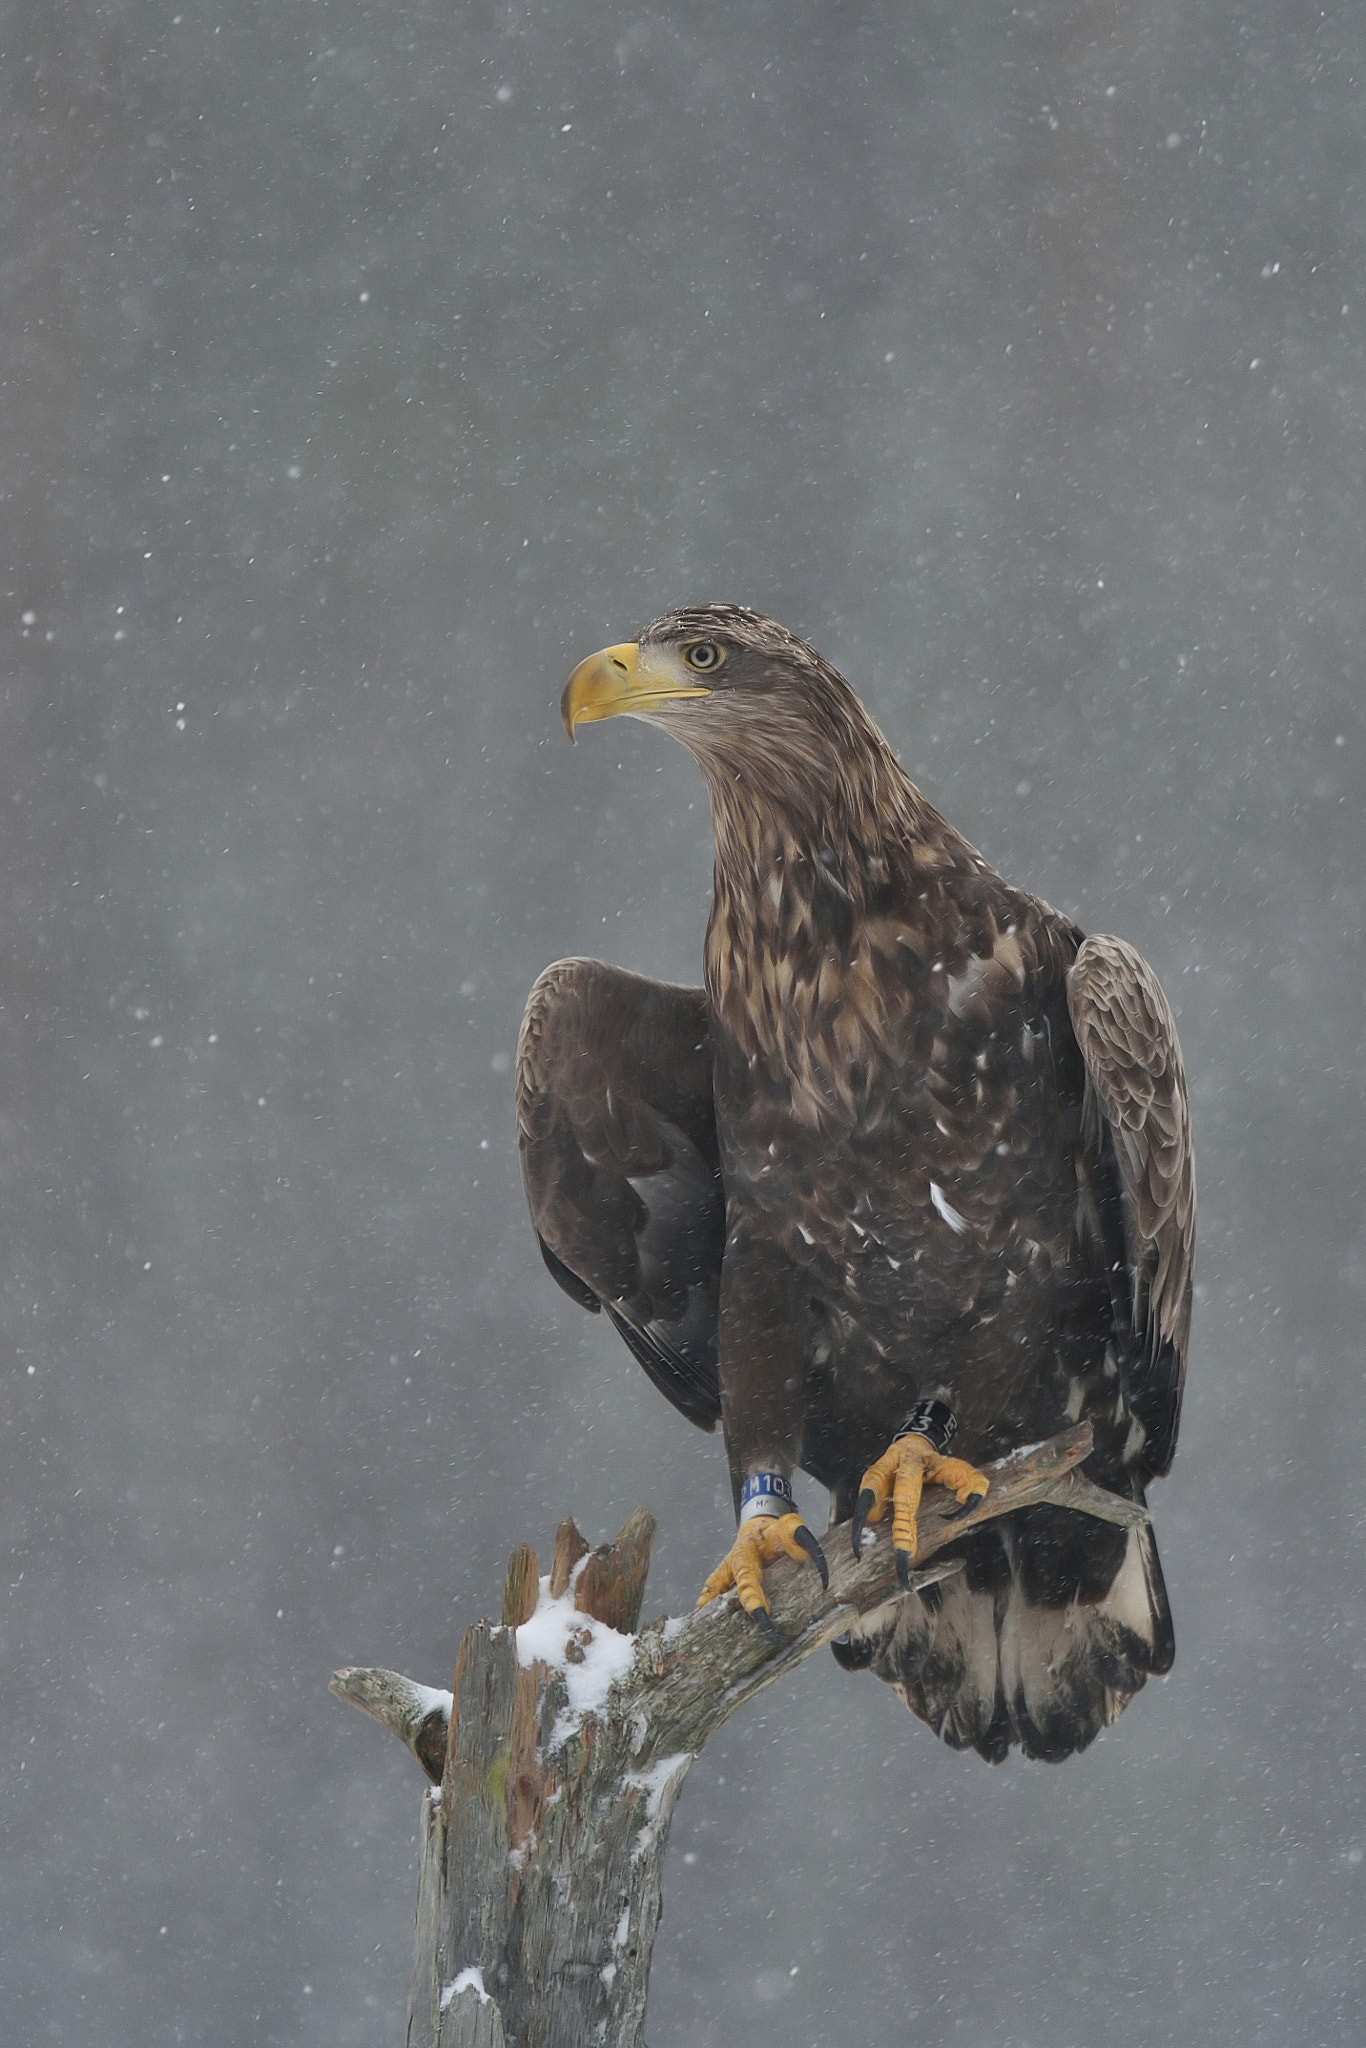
<point x="557" y="1758"/>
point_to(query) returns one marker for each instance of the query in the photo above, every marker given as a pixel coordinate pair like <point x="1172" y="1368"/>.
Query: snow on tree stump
<point x="558" y="1756"/>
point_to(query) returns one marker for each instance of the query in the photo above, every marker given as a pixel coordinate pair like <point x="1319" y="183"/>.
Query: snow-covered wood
<point x="569" y="1739"/>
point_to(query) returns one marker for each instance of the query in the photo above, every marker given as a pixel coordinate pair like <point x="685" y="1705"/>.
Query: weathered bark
<point x="544" y="1841"/>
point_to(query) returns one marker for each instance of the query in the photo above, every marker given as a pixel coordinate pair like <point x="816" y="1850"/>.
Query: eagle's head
<point x="713" y="676"/>
<point x="734" y="687"/>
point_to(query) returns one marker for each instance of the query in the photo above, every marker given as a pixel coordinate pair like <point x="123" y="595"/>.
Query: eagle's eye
<point x="704" y="655"/>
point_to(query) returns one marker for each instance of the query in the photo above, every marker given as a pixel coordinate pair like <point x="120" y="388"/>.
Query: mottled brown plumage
<point x="915" y="1136"/>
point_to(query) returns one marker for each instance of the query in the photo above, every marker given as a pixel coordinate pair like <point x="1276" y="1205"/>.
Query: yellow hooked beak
<point x="625" y="678"/>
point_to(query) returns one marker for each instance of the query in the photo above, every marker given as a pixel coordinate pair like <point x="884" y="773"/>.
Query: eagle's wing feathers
<point x="617" y="1134"/>
<point x="1137" y="1114"/>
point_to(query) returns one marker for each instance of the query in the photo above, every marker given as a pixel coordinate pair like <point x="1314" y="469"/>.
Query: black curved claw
<point x="903" y="1570"/>
<point x="804" y="1540"/>
<point x="765" y="1621"/>
<point x="967" y="1507"/>
<point x="849" y="1655"/>
<point x="865" y="1500"/>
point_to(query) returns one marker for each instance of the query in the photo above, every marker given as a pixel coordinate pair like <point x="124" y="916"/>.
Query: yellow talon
<point x="757" y="1543"/>
<point x="900" y="1475"/>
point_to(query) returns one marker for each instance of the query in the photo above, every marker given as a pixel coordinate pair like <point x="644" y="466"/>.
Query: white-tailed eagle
<point x="912" y="1168"/>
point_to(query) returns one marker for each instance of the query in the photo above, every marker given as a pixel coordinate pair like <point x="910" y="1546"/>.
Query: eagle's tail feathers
<point x="938" y="1649"/>
<point x="992" y="1666"/>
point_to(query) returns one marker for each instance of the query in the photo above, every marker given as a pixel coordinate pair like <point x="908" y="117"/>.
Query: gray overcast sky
<point x="364" y="367"/>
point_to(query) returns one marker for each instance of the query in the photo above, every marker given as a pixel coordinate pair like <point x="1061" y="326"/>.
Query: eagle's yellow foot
<point x="899" y="1476"/>
<point x="756" y="1544"/>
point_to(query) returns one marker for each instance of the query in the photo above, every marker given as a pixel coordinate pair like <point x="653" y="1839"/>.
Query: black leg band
<point x="935" y="1421"/>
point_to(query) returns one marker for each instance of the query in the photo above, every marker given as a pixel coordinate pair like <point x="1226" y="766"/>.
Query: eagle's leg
<point x="916" y="1455"/>
<point x="757" y="1543"/>
<point x="763" y="1335"/>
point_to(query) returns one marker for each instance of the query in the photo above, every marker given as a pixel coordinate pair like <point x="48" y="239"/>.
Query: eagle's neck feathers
<point x="827" y="857"/>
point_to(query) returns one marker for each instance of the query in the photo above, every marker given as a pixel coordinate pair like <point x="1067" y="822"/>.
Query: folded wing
<point x="1137" y="1132"/>
<point x="617" y="1135"/>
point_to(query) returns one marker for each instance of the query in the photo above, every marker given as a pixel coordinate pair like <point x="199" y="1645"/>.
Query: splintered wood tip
<point x="611" y="1585"/>
<point x="570" y="1545"/>
<point x="520" y="1587"/>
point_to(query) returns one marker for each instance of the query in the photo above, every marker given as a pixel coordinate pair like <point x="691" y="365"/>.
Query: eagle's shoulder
<point x="962" y="932"/>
